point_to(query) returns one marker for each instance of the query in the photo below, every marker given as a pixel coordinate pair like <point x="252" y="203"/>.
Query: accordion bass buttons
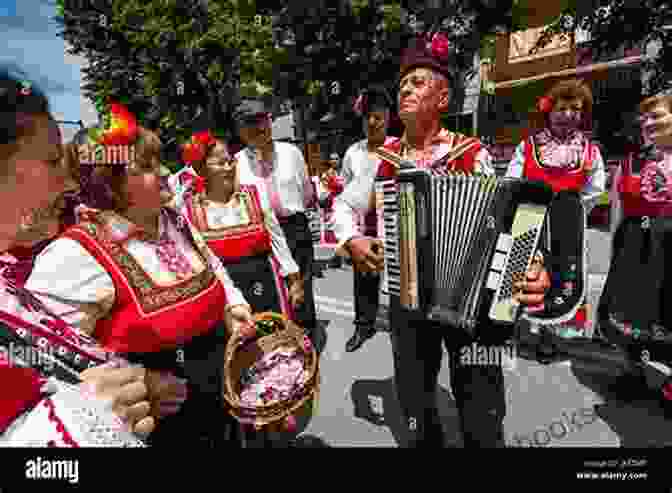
<point x="502" y="249"/>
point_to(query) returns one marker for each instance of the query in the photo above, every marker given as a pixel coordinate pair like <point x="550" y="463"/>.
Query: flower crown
<point x="195" y="150"/>
<point x="120" y="127"/>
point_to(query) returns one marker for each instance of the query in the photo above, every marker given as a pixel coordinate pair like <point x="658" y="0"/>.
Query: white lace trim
<point x="89" y="422"/>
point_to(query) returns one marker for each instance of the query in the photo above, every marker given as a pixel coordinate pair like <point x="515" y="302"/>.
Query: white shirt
<point x="76" y="287"/>
<point x="593" y="189"/>
<point x="289" y="177"/>
<point x="354" y="201"/>
<point x="356" y="161"/>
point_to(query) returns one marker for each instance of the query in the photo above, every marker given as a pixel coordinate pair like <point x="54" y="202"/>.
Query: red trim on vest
<point x="560" y="179"/>
<point x="633" y="204"/>
<point x="127" y="329"/>
<point x="251" y="241"/>
<point x="20" y="392"/>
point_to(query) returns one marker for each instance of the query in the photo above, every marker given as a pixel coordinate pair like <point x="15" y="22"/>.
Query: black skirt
<point x="635" y="309"/>
<point x="261" y="285"/>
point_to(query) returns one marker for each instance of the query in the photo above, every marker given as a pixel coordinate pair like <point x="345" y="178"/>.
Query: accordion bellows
<point x="455" y="245"/>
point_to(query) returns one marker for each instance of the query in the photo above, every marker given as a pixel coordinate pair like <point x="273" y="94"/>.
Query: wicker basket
<point x="241" y="355"/>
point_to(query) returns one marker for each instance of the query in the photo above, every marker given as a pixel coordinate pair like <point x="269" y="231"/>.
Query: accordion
<point x="455" y="244"/>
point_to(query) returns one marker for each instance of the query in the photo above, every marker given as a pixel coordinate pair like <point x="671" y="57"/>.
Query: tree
<point x="177" y="64"/>
<point x="613" y="24"/>
<point x="347" y="45"/>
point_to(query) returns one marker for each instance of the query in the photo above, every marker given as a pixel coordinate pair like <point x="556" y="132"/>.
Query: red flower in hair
<point x="123" y="128"/>
<point x="205" y="137"/>
<point x="545" y="104"/>
<point x="193" y="152"/>
<point x="440" y="46"/>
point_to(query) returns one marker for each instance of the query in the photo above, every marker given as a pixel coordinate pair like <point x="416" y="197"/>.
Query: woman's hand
<point x="296" y="291"/>
<point x="167" y="393"/>
<point x="239" y="321"/>
<point x="533" y="289"/>
<point x="126" y="392"/>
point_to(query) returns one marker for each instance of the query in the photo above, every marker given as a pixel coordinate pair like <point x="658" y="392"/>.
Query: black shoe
<point x="359" y="338"/>
<point x="547" y="352"/>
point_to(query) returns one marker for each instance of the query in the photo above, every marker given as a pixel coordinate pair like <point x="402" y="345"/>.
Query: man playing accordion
<point x="426" y="81"/>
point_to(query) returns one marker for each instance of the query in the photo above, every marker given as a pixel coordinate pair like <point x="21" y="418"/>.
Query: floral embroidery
<point x="151" y="296"/>
<point x="656" y="184"/>
<point x="60" y="427"/>
<point x="552" y="153"/>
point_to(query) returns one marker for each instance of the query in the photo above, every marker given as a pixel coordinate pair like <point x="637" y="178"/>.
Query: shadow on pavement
<point x="631" y="410"/>
<point x="319" y="336"/>
<point x="310" y="441"/>
<point x="375" y="401"/>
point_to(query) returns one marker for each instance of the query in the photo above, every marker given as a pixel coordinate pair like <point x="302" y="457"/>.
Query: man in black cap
<point x="427" y="79"/>
<point x="280" y="169"/>
<point x="373" y="105"/>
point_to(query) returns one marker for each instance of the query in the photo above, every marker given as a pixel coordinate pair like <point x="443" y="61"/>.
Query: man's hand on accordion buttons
<point x="367" y="254"/>
<point x="296" y="291"/>
<point x="536" y="284"/>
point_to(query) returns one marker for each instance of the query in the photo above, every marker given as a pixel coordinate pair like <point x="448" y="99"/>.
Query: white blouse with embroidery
<point x="74" y="285"/>
<point x="220" y="216"/>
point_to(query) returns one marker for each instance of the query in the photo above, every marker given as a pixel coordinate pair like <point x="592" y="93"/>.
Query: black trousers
<point x="478" y="390"/>
<point x="300" y="241"/>
<point x="367" y="298"/>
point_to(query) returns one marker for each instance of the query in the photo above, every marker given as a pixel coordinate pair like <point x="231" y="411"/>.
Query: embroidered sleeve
<point x="309" y="197"/>
<point x="72" y="284"/>
<point x="353" y="201"/>
<point x="69" y="418"/>
<point x="279" y="245"/>
<point x="596" y="184"/>
<point x="516" y="167"/>
<point x="347" y="171"/>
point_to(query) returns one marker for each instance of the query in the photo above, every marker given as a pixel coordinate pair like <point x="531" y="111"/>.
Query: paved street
<point x="561" y="404"/>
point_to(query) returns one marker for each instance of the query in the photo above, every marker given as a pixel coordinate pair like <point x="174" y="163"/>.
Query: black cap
<point x="250" y="110"/>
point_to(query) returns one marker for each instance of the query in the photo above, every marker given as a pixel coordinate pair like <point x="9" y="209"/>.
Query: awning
<point x="583" y="69"/>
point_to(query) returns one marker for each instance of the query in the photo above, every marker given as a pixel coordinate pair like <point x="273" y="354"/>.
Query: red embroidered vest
<point x="629" y="187"/>
<point x="465" y="163"/>
<point x="145" y="317"/>
<point x="559" y="179"/>
<point x="235" y="243"/>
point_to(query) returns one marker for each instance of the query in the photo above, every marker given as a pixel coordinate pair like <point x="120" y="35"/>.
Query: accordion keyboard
<point x="387" y="208"/>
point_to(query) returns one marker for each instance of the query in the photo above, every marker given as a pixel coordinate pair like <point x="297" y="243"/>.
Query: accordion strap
<point x="456" y="152"/>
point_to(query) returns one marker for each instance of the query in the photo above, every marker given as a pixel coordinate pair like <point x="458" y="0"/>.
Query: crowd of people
<point x="128" y="282"/>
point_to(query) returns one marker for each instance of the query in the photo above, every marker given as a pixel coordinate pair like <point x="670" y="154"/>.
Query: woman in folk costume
<point x="330" y="185"/>
<point x="136" y="278"/>
<point x="634" y="310"/>
<point x="59" y="388"/>
<point x="238" y="225"/>
<point x="562" y="155"/>
<point x="374" y="106"/>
